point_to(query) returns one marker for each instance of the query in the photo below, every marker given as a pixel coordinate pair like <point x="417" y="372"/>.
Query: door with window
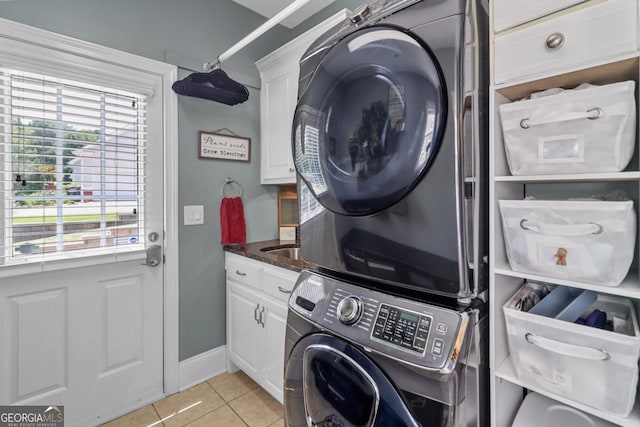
<point x="82" y="216"/>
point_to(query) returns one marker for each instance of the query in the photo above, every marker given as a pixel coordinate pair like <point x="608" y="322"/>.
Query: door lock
<point x="154" y="255"/>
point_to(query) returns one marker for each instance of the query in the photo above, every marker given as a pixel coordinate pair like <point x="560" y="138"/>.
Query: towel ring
<point x="228" y="182"/>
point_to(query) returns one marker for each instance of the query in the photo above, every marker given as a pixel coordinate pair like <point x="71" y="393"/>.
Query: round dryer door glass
<point x="370" y="122"/>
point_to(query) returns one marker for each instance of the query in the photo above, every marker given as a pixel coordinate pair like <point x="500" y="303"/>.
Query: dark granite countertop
<point x="253" y="251"/>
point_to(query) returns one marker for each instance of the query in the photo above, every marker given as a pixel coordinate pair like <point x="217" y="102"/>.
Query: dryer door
<point x="370" y="122"/>
<point x="329" y="382"/>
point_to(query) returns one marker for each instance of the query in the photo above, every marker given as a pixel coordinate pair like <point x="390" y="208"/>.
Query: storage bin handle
<point x="591" y="114"/>
<point x="562" y="230"/>
<point x="565" y="349"/>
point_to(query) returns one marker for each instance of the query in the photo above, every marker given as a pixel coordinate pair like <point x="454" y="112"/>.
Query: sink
<point x="287" y="252"/>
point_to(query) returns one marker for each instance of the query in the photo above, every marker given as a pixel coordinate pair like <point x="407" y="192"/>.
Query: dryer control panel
<point x="423" y="334"/>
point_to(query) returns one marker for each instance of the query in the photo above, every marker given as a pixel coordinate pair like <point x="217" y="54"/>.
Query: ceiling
<point x="271" y="7"/>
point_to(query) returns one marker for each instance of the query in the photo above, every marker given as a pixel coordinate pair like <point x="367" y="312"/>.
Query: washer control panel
<point x="417" y="332"/>
<point x="404" y="328"/>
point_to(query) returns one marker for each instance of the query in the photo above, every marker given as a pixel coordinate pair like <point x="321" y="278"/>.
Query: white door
<point x="89" y="339"/>
<point x="81" y="314"/>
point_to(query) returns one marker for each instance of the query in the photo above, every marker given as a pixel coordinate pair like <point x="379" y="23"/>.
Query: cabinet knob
<point x="291" y="170"/>
<point x="555" y="41"/>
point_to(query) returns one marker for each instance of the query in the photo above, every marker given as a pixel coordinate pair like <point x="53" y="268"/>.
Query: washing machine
<point x="390" y="143"/>
<point x="359" y="357"/>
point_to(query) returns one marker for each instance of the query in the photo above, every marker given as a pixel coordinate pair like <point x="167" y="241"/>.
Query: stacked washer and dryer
<point x="390" y="143"/>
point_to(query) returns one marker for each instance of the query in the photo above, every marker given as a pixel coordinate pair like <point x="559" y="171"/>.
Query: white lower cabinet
<point x="257" y="295"/>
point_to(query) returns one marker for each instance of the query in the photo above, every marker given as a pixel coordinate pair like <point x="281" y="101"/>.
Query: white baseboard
<point x="205" y="365"/>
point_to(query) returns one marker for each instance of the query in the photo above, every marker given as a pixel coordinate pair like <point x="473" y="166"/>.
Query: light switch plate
<point x="194" y="215"/>
<point x="288" y="233"/>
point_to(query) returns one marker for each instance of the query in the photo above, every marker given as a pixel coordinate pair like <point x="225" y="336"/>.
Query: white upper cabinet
<point x="279" y="76"/>
<point x="277" y="105"/>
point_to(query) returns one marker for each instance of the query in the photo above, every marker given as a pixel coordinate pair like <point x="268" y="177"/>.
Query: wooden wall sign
<point x="212" y="145"/>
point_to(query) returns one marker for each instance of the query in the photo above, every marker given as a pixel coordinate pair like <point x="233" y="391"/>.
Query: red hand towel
<point x="234" y="230"/>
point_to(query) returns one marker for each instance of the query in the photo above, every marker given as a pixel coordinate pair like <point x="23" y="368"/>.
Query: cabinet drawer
<point x="593" y="34"/>
<point x="509" y="13"/>
<point x="243" y="271"/>
<point x="278" y="282"/>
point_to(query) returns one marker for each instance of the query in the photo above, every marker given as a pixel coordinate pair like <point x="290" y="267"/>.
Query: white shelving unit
<point x="507" y="390"/>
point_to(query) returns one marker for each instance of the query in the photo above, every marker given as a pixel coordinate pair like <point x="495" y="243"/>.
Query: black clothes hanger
<point x="214" y="86"/>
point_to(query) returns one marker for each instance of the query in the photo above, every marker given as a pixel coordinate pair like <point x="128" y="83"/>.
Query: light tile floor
<point x="227" y="400"/>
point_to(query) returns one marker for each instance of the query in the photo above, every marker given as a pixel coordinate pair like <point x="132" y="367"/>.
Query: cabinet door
<point x="244" y="333"/>
<point x="275" y="325"/>
<point x="278" y="100"/>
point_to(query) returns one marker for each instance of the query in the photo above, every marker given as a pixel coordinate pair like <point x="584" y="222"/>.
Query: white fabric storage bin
<point x="540" y="411"/>
<point x="584" y="130"/>
<point x="584" y="241"/>
<point x="592" y="366"/>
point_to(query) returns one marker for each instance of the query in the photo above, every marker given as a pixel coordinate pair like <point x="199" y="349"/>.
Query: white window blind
<point x="310" y="162"/>
<point x="72" y="180"/>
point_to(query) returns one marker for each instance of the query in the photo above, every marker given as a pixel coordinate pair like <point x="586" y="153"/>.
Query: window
<point x="73" y="167"/>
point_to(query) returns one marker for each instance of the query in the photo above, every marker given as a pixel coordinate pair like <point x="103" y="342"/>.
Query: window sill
<point x="71" y="261"/>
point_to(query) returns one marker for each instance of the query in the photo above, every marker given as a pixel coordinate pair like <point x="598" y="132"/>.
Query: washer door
<point x="329" y="382"/>
<point x="370" y="122"/>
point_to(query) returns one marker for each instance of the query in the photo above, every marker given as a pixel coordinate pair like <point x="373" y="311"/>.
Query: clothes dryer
<point x="390" y="143"/>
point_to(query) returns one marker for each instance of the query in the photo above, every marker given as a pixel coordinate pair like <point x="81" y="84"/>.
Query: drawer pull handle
<point x="567" y="349"/>
<point x="555" y="41"/>
<point x="283" y="290"/>
<point x="240" y="273"/>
